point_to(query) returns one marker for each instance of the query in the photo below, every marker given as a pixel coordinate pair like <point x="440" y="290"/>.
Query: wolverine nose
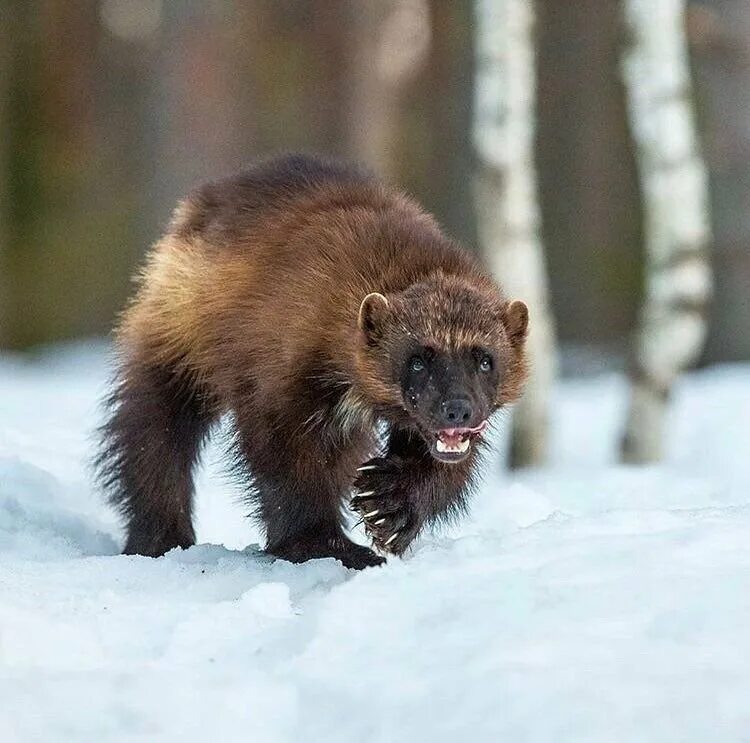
<point x="456" y="412"/>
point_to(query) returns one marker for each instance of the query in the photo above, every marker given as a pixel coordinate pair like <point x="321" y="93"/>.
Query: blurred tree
<point x="588" y="184"/>
<point x="388" y="46"/>
<point x="265" y="76"/>
<point x="719" y="34"/>
<point x="68" y="221"/>
<point x="673" y="181"/>
<point x="5" y="40"/>
<point x="508" y="217"/>
<point x="435" y="151"/>
<point x="201" y="107"/>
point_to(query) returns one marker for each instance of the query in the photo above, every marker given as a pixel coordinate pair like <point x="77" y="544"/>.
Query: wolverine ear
<point x="372" y="312"/>
<point x="517" y="321"/>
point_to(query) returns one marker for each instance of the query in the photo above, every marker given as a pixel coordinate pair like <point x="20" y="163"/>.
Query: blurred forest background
<point x="112" y="109"/>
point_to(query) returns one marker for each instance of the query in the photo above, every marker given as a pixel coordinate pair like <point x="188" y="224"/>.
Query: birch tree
<point x="506" y="196"/>
<point x="672" y="325"/>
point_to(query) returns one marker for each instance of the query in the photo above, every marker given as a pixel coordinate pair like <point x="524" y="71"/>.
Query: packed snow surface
<point x="584" y="602"/>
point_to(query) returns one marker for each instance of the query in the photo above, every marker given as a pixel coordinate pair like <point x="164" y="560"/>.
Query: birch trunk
<point x="675" y="203"/>
<point x="506" y="196"/>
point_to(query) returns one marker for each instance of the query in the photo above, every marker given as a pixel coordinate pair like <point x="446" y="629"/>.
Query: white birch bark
<point x="672" y="325"/>
<point x="507" y="209"/>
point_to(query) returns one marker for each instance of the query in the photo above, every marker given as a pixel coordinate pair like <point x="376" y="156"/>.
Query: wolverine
<point x="358" y="352"/>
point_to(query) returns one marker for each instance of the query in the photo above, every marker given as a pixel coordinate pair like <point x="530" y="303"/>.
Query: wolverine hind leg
<point x="151" y="441"/>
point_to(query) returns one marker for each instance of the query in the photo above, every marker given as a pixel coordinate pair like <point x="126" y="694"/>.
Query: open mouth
<point x="453" y="444"/>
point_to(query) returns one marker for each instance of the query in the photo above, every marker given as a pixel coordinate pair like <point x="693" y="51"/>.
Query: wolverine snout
<point x="456" y="412"/>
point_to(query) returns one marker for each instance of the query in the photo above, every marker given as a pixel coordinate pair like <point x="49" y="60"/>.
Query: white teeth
<point x="460" y="448"/>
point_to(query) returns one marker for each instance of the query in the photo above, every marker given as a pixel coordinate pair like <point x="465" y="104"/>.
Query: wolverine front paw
<point x="383" y="507"/>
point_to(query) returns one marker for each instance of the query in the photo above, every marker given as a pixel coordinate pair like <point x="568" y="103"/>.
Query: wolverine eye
<point x="485" y="364"/>
<point x="416" y="364"/>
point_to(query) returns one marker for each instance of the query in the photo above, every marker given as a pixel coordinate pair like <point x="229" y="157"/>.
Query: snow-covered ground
<point x="586" y="602"/>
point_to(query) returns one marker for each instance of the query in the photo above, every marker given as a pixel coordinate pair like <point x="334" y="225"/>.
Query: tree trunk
<point x="719" y="36"/>
<point x="5" y="60"/>
<point x="673" y="185"/>
<point x="507" y="209"/>
<point x="387" y="45"/>
<point x="588" y="182"/>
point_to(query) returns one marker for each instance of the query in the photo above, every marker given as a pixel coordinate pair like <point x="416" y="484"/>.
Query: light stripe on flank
<point x="169" y="309"/>
<point x="352" y="412"/>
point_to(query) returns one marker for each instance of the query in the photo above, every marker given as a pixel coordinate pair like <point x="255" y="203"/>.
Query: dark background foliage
<point x="112" y="109"/>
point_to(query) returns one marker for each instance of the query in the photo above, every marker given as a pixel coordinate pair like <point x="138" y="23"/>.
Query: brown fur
<point x="250" y="305"/>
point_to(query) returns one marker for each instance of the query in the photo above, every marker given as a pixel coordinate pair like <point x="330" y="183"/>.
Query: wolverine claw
<point x="391" y="538"/>
<point x="381" y="502"/>
<point x="356" y="499"/>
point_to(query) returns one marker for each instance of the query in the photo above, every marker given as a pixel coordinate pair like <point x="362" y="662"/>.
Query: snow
<point x="583" y="602"/>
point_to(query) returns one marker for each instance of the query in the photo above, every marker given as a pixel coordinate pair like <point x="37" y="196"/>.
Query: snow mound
<point x="583" y="602"/>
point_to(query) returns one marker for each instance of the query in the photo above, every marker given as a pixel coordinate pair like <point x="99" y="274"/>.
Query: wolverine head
<point x="448" y="354"/>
